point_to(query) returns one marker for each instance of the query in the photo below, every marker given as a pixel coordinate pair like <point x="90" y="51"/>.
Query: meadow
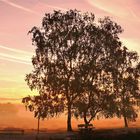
<point x="100" y="134"/>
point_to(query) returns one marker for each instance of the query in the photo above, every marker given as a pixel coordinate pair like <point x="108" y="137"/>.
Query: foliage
<point x="126" y="85"/>
<point x="77" y="68"/>
<point x="44" y="106"/>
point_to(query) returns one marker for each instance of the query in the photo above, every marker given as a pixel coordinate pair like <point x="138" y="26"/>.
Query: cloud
<point x="18" y="6"/>
<point x="13" y="60"/>
<point x="15" y="55"/>
<point x="56" y="7"/>
<point x="14" y="50"/>
<point x="137" y="18"/>
<point x="29" y="10"/>
<point x="43" y="7"/>
<point x="113" y="7"/>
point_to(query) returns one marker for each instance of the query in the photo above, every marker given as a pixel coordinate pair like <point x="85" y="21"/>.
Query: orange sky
<point x="19" y="16"/>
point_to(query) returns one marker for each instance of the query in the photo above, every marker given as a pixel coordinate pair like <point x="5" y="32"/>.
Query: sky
<point x="17" y="17"/>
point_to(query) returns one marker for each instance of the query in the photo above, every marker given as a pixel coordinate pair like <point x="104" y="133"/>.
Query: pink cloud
<point x="18" y="6"/>
<point x="14" y="50"/>
<point x="117" y="8"/>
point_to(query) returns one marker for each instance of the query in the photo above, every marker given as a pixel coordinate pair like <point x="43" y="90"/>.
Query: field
<point x="102" y="134"/>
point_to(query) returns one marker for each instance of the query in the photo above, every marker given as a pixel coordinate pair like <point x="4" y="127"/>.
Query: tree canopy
<point x="77" y="66"/>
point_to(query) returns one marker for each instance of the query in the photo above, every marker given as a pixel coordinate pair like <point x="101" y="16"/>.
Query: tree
<point x="59" y="53"/>
<point x="74" y="59"/>
<point x="126" y="85"/>
<point x="97" y="89"/>
<point x="125" y="75"/>
<point x="43" y="106"/>
<point x="101" y="95"/>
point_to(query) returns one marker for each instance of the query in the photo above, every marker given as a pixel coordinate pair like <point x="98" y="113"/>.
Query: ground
<point x="101" y="134"/>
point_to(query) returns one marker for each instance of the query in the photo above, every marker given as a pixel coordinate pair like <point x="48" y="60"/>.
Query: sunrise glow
<point x="16" y="49"/>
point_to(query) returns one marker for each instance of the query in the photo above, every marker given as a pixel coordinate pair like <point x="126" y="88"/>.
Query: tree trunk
<point x="69" y="128"/>
<point x="124" y="114"/>
<point x="85" y="118"/>
<point x="38" y="125"/>
<point x="125" y="122"/>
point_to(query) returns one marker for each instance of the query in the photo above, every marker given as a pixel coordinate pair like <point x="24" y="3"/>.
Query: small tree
<point x="43" y="106"/>
<point x="126" y="85"/>
<point x="123" y="68"/>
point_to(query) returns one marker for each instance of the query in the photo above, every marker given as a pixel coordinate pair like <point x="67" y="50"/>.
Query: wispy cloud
<point x="134" y="15"/>
<point x="14" y="60"/>
<point x="15" y="55"/>
<point x="14" y="50"/>
<point x="18" y="6"/>
<point x="43" y="7"/>
<point x="111" y="7"/>
<point x="56" y="7"/>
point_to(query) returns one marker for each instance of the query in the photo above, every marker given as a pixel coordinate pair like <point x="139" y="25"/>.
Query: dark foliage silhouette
<point x="78" y="68"/>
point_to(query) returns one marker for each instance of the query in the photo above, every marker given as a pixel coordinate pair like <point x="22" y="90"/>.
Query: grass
<point x="108" y="134"/>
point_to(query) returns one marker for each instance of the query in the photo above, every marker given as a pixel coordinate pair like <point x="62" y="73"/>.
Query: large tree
<point x="74" y="57"/>
<point x="62" y="45"/>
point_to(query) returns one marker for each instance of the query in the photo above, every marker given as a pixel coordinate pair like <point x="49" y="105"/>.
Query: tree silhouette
<point x="59" y="54"/>
<point x="126" y="85"/>
<point x="44" y="106"/>
<point x="97" y="95"/>
<point x="124" y="70"/>
<point x="74" y="66"/>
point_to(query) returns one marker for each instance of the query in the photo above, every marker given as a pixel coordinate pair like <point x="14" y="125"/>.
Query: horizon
<point x="20" y="118"/>
<point x="16" y="49"/>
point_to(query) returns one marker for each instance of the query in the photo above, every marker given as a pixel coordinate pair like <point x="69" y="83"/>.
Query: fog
<point x="16" y="116"/>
